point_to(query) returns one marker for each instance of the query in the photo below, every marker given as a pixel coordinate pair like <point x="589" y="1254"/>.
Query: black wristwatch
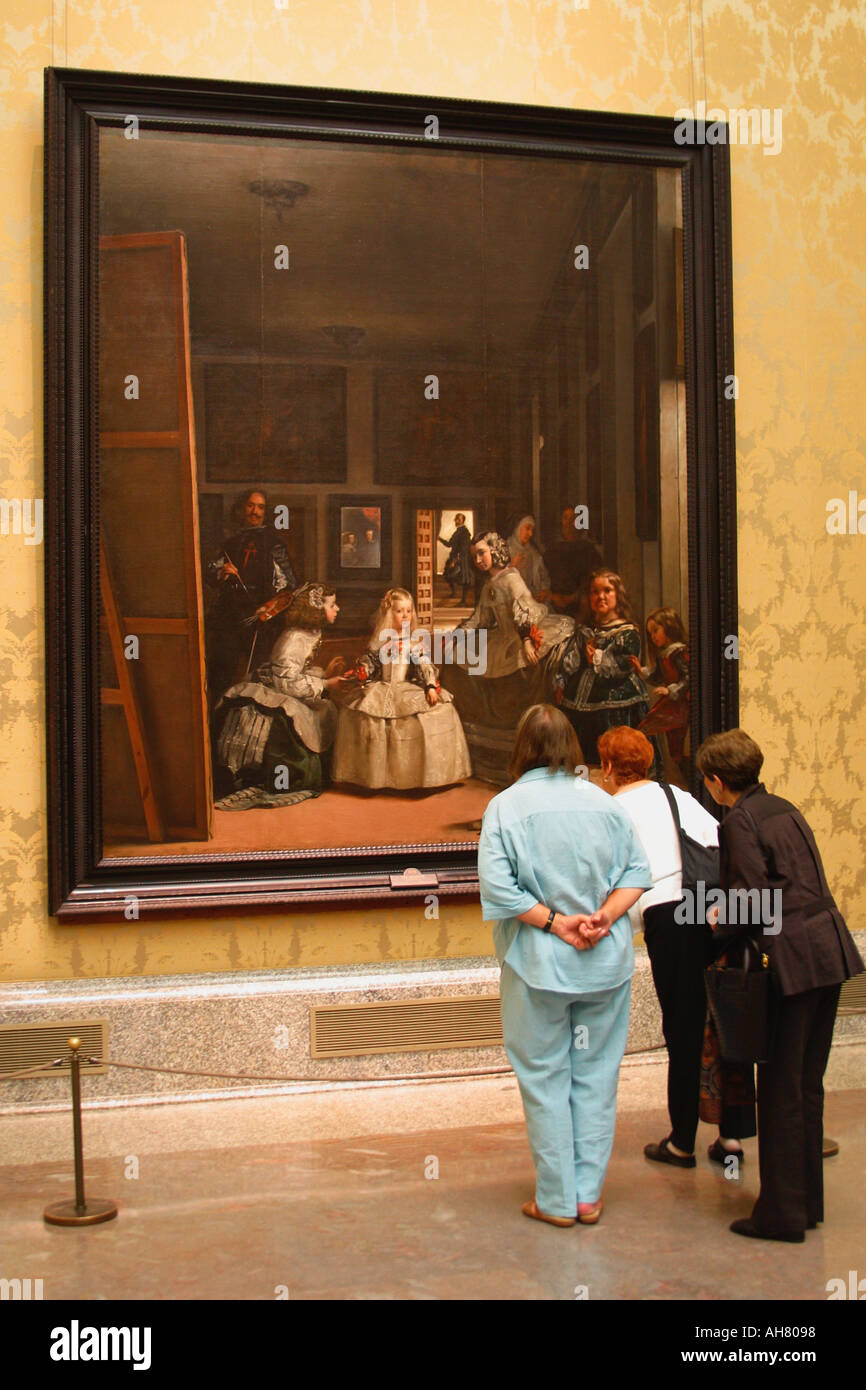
<point x="549" y="923"/>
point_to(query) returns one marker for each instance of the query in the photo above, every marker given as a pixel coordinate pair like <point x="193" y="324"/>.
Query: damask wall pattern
<point x="800" y="343"/>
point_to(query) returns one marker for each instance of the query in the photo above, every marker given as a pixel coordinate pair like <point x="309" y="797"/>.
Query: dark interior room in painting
<point x="352" y="433"/>
<point x="374" y="336"/>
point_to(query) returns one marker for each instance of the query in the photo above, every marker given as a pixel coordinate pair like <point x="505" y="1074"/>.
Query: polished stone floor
<point x="408" y="1192"/>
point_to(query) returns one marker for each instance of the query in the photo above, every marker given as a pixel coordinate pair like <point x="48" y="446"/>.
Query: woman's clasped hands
<point x="582" y="930"/>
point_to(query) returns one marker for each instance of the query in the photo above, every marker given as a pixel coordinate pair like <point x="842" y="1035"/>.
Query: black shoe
<point x="718" y="1153"/>
<point x="660" y="1153"/>
<point x="746" y="1227"/>
<point x="830" y="1148"/>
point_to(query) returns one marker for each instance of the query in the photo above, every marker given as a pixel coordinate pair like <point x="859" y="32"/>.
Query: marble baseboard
<point x="259" y="1023"/>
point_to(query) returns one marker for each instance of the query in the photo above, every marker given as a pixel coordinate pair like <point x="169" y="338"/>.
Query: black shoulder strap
<point x="672" y="802"/>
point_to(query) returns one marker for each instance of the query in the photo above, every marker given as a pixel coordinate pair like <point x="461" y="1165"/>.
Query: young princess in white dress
<point x="400" y="730"/>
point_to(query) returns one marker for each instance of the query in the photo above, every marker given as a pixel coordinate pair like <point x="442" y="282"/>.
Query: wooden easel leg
<point x="126" y="697"/>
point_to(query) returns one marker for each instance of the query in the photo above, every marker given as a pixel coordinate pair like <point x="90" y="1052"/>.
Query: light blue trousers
<point x="566" y="1051"/>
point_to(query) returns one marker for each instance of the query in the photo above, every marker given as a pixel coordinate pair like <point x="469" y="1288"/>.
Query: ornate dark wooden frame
<point x="84" y="885"/>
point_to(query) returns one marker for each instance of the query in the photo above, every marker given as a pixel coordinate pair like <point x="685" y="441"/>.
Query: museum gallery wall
<point x="788" y="463"/>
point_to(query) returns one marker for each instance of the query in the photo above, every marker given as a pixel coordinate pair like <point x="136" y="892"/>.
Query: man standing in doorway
<point x="458" y="567"/>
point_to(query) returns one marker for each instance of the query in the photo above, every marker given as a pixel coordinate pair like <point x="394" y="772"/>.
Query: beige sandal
<point x="530" y="1209"/>
<point x="588" y="1213"/>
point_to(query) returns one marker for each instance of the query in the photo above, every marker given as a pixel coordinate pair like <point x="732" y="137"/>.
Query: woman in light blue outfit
<point x="559" y="866"/>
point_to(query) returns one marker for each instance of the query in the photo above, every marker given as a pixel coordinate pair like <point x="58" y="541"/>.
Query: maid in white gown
<point x="400" y="730"/>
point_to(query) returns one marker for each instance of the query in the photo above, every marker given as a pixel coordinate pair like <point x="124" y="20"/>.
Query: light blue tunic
<point x="558" y="840"/>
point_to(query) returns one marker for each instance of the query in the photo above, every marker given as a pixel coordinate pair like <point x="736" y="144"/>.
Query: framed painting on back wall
<point x="296" y="340"/>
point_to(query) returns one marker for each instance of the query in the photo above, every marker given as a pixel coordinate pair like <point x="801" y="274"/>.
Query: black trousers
<point x="678" y="956"/>
<point x="791" y="1113"/>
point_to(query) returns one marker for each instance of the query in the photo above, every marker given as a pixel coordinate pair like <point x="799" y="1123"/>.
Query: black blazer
<point x="766" y="843"/>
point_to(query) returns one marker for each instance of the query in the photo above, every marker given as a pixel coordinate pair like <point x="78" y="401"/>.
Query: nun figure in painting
<point x="275" y="727"/>
<point x="526" y="557"/>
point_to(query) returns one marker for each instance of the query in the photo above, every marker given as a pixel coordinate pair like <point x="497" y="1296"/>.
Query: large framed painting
<point x="348" y="399"/>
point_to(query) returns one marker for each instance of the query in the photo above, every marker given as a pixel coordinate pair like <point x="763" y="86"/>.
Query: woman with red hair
<point x="678" y="951"/>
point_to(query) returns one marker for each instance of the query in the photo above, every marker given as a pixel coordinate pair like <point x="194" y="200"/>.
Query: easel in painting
<point x="124" y="694"/>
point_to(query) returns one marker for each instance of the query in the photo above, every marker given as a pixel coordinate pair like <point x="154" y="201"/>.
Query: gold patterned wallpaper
<point x="798" y="224"/>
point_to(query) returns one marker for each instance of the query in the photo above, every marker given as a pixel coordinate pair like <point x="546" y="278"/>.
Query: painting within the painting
<point x="361" y="512"/>
<point x="360" y="537"/>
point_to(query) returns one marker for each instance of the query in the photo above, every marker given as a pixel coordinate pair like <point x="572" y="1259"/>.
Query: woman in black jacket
<point x="767" y="845"/>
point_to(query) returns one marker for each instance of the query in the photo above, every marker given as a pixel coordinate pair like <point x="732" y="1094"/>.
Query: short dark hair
<point x="544" y="738"/>
<point x="734" y="757"/>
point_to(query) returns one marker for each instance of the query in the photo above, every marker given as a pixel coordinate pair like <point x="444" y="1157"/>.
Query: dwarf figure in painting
<point x="275" y="727"/>
<point x="667" y="675"/>
<point x="458" y="566"/>
<point x="252" y="566"/>
<point x="597" y="684"/>
<point x="400" y="730"/>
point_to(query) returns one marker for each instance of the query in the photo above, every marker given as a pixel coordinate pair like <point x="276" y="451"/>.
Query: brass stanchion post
<point x="80" y="1212"/>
